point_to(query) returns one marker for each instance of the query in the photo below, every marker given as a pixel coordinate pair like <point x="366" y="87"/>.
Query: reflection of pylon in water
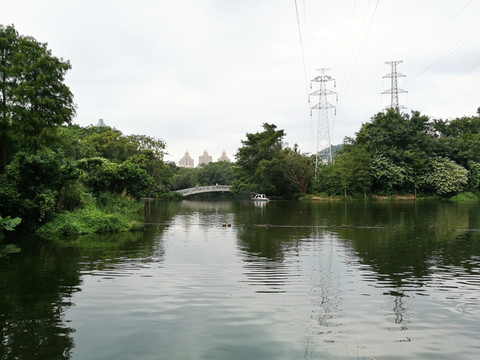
<point x="325" y="292"/>
<point x="394" y="90"/>
<point x="323" y="151"/>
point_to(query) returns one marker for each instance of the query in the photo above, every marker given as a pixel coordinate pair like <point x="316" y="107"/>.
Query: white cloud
<point x="200" y="74"/>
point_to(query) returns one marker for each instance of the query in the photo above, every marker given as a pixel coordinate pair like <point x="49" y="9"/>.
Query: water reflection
<point x="37" y="285"/>
<point x="290" y="279"/>
<point x="410" y="245"/>
<point x="406" y="250"/>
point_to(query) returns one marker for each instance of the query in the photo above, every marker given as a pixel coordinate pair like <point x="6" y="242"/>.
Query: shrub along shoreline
<point x="107" y="214"/>
<point x="461" y="197"/>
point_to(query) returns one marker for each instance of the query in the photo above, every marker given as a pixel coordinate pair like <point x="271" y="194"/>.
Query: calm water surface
<point x="286" y="280"/>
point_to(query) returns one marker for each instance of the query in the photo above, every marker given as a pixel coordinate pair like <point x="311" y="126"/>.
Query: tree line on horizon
<point x="50" y="165"/>
<point x="393" y="153"/>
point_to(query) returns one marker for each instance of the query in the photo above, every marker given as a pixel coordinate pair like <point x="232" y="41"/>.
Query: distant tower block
<point x="224" y="157"/>
<point x="101" y="122"/>
<point x="323" y="151"/>
<point x="205" y="158"/>
<point x="186" y="161"/>
<point x="394" y="90"/>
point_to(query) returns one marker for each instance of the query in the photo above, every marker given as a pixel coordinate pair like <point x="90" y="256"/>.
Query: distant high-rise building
<point x="101" y="122"/>
<point x="205" y="158"/>
<point x="186" y="161"/>
<point x="223" y="157"/>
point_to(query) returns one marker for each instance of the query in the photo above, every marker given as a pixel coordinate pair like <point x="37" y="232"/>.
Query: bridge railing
<point x="203" y="189"/>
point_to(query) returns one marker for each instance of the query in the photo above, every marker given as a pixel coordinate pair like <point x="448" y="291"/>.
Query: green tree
<point x="150" y="144"/>
<point x="271" y="177"/>
<point x="459" y="139"/>
<point x="298" y="168"/>
<point x="184" y="178"/>
<point x="35" y="186"/>
<point x="473" y="176"/>
<point x="102" y="175"/>
<point x="447" y="176"/>
<point x="220" y="172"/>
<point x="327" y="180"/>
<point x="111" y="145"/>
<point x="72" y="140"/>
<point x="258" y="147"/>
<point x="34" y="99"/>
<point x="8" y="71"/>
<point x="388" y="176"/>
<point x="155" y="167"/>
<point x="354" y="170"/>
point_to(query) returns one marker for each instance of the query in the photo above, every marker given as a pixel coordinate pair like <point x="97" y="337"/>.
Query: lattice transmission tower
<point x="394" y="90"/>
<point x="323" y="151"/>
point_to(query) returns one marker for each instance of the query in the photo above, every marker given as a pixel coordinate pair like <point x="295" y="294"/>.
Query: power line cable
<point x="351" y="57"/>
<point x="437" y="34"/>
<point x="445" y="55"/>
<point x="358" y="54"/>
<point x="438" y="88"/>
<point x="301" y="47"/>
<point x="350" y="67"/>
<point x="456" y="15"/>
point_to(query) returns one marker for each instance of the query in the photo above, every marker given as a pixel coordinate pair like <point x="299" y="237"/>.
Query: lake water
<point x="287" y="280"/>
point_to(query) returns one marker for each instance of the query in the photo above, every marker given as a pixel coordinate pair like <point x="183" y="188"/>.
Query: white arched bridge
<point x="204" y="189"/>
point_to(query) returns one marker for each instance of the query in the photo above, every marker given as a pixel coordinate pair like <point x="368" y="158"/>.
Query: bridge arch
<point x="204" y="189"/>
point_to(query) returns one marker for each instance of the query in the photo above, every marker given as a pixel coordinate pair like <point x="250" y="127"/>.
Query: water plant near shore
<point x="109" y="213"/>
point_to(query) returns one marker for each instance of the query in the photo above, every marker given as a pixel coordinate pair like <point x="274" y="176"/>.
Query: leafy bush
<point x="447" y="176"/>
<point x="8" y="223"/>
<point x="103" y="175"/>
<point x="89" y="220"/>
<point x="112" y="203"/>
<point x="172" y="195"/>
<point x="35" y="186"/>
<point x="71" y="196"/>
<point x="465" y="196"/>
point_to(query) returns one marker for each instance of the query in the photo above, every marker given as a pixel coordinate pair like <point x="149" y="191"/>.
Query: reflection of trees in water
<point x="206" y="206"/>
<point x="414" y="243"/>
<point x="401" y="246"/>
<point x="199" y="213"/>
<point x="402" y="242"/>
<point x="36" y="286"/>
<point x="271" y="240"/>
<point x="413" y="239"/>
<point x="271" y="230"/>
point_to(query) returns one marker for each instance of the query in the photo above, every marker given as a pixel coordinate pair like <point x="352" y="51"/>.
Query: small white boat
<point x="260" y="197"/>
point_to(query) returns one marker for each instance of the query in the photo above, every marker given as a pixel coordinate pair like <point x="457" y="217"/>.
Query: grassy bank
<point x="106" y="214"/>
<point x="461" y="197"/>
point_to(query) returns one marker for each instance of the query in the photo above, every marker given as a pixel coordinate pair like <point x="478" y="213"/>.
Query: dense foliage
<point x="106" y="213"/>
<point x="265" y="165"/>
<point x="50" y="168"/>
<point x="81" y="163"/>
<point x="407" y="153"/>
<point x="220" y="173"/>
<point x="34" y="100"/>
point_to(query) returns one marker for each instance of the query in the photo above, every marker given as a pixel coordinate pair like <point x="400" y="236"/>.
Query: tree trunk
<point x="4" y="153"/>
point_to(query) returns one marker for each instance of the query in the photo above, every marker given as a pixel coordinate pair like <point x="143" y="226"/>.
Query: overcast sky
<point x="200" y="74"/>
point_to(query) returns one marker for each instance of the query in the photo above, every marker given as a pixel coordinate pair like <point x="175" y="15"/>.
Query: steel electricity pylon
<point x="394" y="90"/>
<point x="323" y="151"/>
